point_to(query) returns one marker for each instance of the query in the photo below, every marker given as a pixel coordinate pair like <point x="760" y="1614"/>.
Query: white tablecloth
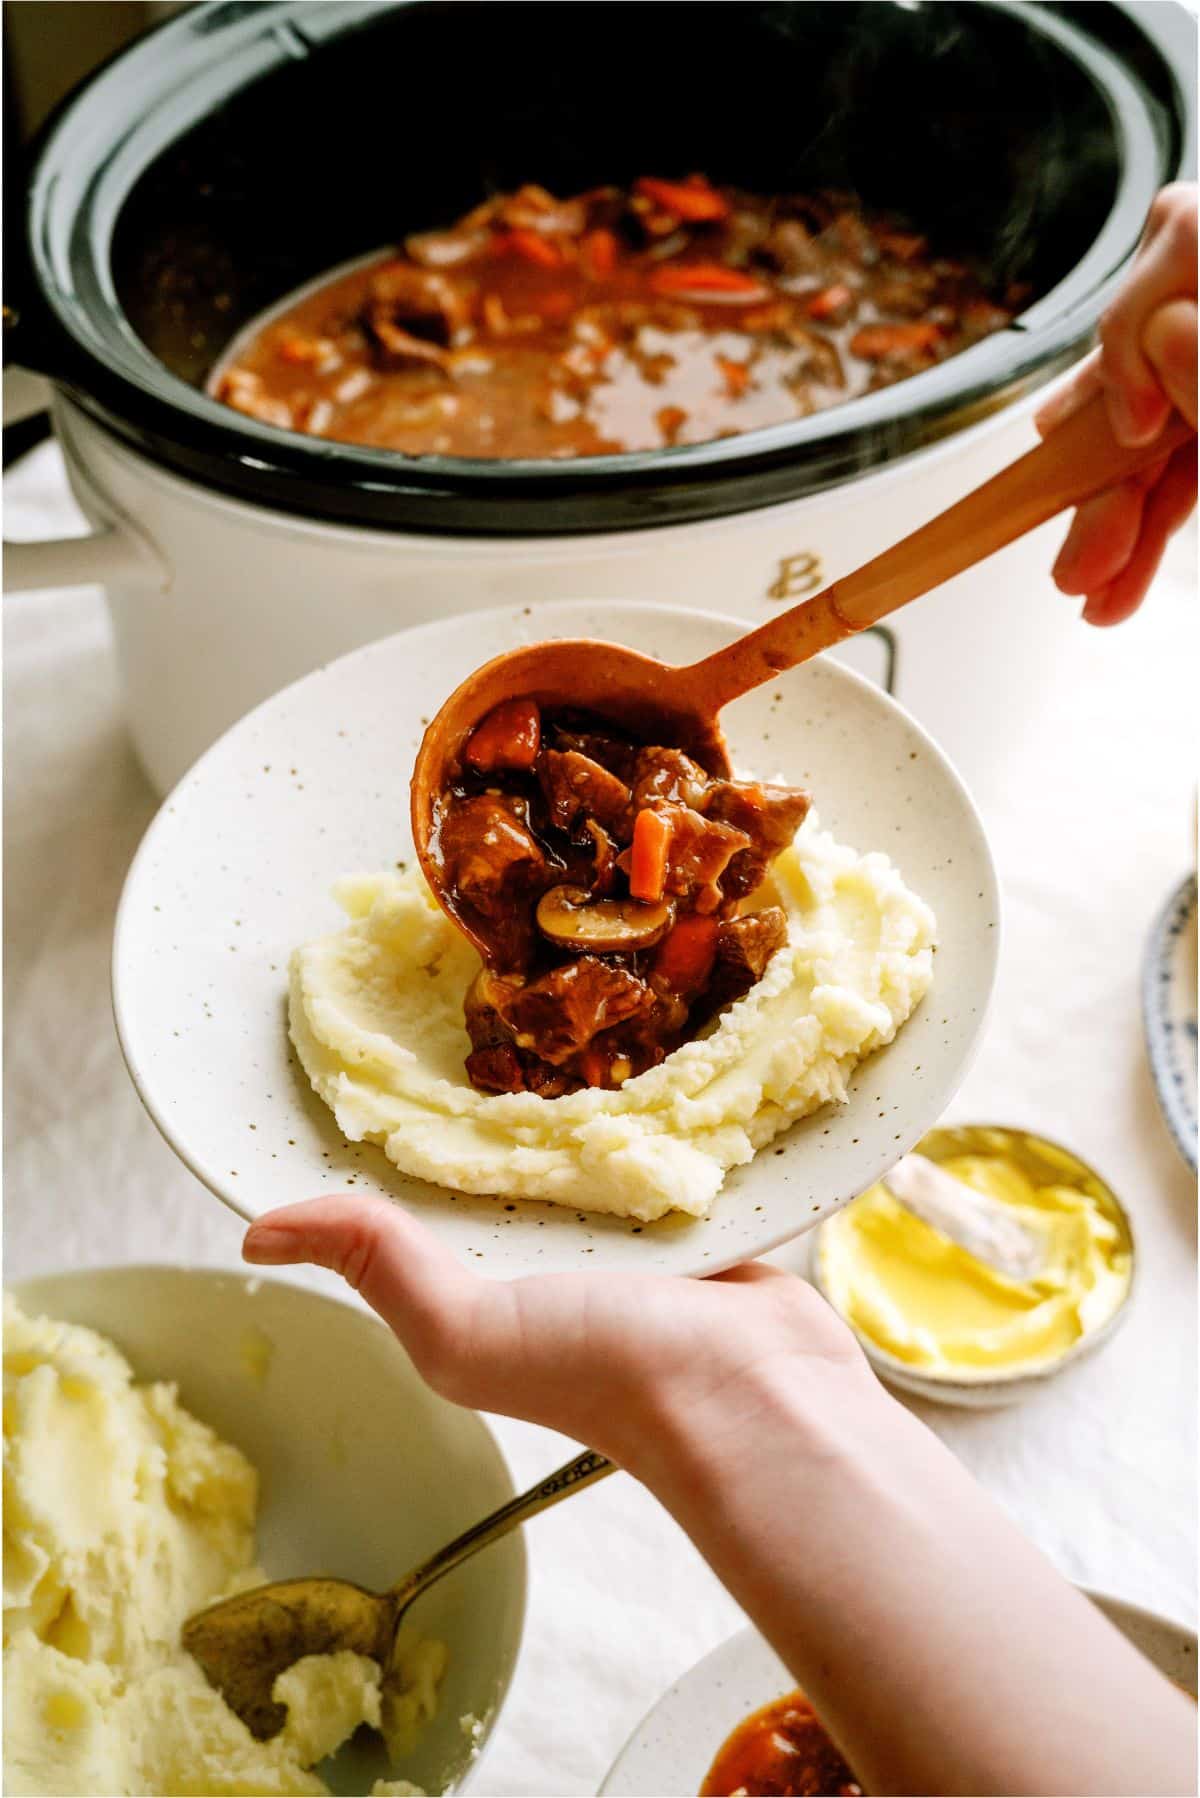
<point x="1089" y="807"/>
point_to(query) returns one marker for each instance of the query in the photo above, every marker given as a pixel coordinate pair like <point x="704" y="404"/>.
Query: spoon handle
<point x="584" y="1470"/>
<point x="1080" y="459"/>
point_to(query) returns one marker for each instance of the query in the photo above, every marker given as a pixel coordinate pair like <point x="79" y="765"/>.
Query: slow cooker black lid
<point x="165" y="100"/>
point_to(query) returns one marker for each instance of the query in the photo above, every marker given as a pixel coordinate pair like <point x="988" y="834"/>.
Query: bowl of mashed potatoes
<point x="290" y="998"/>
<point x="172" y="1435"/>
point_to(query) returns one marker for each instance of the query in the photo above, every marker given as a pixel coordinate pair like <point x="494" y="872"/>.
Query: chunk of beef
<point x="789" y="248"/>
<point x="907" y="292"/>
<point x="744" y="947"/>
<point x="503" y="1069"/>
<point x="668" y="774"/>
<point x="558" y="1014"/>
<point x="617" y="754"/>
<point x="496" y="1070"/>
<point x="853" y="233"/>
<point x="490" y="852"/>
<point x="578" y="788"/>
<point x="769" y="815"/>
<point x="626" y="1051"/>
<point x="494" y="861"/>
<point x="413" y="314"/>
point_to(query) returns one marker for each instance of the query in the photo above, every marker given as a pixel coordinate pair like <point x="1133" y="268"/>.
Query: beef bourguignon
<point x="672" y="312"/>
<point x="608" y="877"/>
<point x="780" y="1751"/>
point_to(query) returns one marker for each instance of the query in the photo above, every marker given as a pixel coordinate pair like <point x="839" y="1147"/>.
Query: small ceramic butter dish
<point x="936" y="1322"/>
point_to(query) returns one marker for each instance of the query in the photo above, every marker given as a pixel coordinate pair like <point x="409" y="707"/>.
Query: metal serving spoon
<point x="244" y="1643"/>
<point x="681" y="706"/>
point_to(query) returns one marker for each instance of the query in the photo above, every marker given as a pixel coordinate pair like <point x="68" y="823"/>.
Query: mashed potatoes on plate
<point x="122" y="1515"/>
<point x="376" y="1016"/>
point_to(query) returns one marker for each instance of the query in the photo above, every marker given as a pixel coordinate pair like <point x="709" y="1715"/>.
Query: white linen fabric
<point x="1089" y="804"/>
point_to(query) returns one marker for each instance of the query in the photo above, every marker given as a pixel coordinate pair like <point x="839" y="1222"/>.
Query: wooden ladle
<point x="681" y="706"/>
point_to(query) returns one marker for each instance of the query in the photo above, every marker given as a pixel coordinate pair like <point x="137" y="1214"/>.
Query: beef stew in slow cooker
<point x="609" y="877"/>
<point x="670" y="312"/>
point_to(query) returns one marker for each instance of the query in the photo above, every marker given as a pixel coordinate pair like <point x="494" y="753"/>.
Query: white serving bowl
<point x="994" y="1392"/>
<point x="364" y="1471"/>
<point x="675" y="1743"/>
<point x="236" y="871"/>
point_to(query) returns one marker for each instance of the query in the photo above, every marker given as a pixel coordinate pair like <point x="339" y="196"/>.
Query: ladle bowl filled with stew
<point x="608" y="883"/>
<point x="361" y="314"/>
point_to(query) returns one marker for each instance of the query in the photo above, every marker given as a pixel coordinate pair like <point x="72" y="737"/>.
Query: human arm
<point x="942" y="1651"/>
<point x="1145" y="366"/>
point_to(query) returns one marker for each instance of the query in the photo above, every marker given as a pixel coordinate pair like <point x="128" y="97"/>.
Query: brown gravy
<point x="668" y="313"/>
<point x="780" y="1751"/>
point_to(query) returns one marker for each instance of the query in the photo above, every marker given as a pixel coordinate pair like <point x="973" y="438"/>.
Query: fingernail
<point x="265" y="1241"/>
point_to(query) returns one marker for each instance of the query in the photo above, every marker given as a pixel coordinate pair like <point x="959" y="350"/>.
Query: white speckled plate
<point x="236" y="870"/>
<point x="1169" y="1014"/>
<point x="675" y="1743"/>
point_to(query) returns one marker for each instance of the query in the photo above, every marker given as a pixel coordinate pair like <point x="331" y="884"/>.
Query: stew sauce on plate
<point x="780" y="1751"/>
<point x="669" y="313"/>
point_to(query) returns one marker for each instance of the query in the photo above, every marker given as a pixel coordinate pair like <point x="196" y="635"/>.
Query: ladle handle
<point x="1080" y="459"/>
<point x="584" y="1470"/>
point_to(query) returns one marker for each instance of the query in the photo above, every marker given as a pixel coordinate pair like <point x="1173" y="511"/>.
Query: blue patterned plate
<point x="1169" y="1014"/>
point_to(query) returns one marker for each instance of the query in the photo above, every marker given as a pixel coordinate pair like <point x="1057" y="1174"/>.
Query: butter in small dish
<point x="936" y="1320"/>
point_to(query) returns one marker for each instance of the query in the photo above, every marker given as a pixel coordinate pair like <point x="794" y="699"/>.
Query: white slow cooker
<point x="236" y="557"/>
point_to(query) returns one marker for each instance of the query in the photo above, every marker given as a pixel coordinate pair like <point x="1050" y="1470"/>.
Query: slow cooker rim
<point x="520" y="513"/>
<point x="66" y="408"/>
<point x="168" y="415"/>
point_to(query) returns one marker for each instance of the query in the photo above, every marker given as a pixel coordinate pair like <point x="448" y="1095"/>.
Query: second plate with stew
<point x="237" y="868"/>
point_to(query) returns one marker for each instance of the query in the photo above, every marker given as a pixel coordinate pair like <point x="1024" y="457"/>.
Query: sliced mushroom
<point x="572" y="919"/>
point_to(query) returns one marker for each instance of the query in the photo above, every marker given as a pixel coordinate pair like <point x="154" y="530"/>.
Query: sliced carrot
<point x="648" y="856"/>
<point x="509" y="737"/>
<point x="876" y="342"/>
<point x="599" y="253"/>
<point x="693" y="200"/>
<point x="706" y="277"/>
<point x="685" y="958"/>
<point x="737" y="375"/>
<point x="828" y="301"/>
<point x="531" y="246"/>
